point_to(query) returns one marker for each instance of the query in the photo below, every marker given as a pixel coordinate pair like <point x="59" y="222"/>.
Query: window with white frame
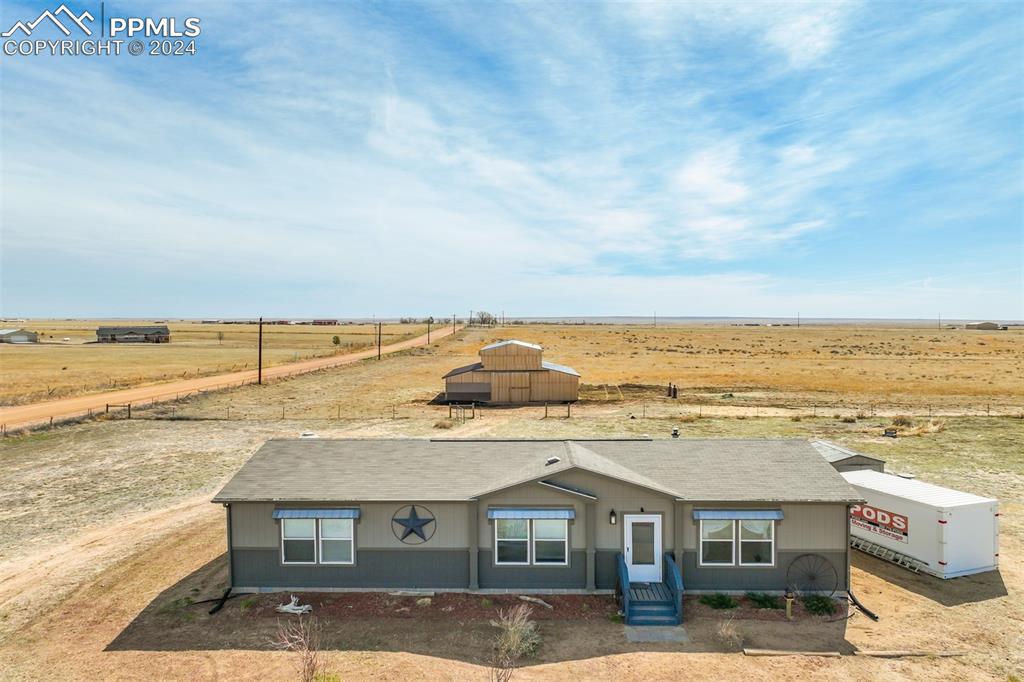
<point x="298" y="541"/>
<point x="336" y="541"/>
<point x="757" y="542"/>
<point x="512" y="541"/>
<point x="550" y="541"/>
<point x="717" y="542"/>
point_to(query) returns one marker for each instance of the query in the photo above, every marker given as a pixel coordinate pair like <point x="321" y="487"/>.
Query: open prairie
<point x="55" y="369"/>
<point x="111" y="535"/>
<point x="718" y="370"/>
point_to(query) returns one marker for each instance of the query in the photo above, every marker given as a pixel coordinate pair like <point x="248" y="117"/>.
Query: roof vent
<point x="552" y="460"/>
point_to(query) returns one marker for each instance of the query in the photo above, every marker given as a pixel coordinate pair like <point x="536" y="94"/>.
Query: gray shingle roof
<point x="140" y="329"/>
<point x="713" y="470"/>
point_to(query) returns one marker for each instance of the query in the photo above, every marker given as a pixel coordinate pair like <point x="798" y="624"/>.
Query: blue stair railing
<point x="623" y="574"/>
<point x="674" y="581"/>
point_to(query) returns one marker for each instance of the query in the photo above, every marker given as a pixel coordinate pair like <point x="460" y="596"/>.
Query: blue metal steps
<point x="657" y="603"/>
<point x="651" y="604"/>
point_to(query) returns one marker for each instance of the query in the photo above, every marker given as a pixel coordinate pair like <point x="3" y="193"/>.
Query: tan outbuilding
<point x="512" y="373"/>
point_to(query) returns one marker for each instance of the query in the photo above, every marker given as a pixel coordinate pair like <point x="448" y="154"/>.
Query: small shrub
<point x="248" y="603"/>
<point x="902" y="420"/>
<point x="819" y="604"/>
<point x="517" y="637"/>
<point x="835" y="416"/>
<point x="796" y="418"/>
<point x="763" y="600"/>
<point x="729" y="634"/>
<point x="849" y="420"/>
<point x="718" y="601"/>
<point x="861" y="414"/>
<point x="616" y="617"/>
<point x="486" y="603"/>
<point x="444" y="424"/>
<point x="302" y="637"/>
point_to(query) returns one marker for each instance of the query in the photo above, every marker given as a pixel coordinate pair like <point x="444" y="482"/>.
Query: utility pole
<point x="655" y="319"/>
<point x="428" y="332"/>
<point x="470" y="323"/>
<point x="798" y="320"/>
<point x="379" y="325"/>
<point x="259" y="356"/>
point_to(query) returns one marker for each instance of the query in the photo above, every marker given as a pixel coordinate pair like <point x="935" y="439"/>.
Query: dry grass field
<point x="56" y="369"/>
<point x="109" y="531"/>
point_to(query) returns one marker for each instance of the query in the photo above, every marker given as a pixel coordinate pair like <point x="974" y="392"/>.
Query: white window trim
<point x="351" y="543"/>
<point x="739" y="537"/>
<point x="564" y="541"/>
<point x="526" y="540"/>
<point x="732" y="547"/>
<point x="313" y="539"/>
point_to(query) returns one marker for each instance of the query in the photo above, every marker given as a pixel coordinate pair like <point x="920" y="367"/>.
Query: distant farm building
<point x="140" y="334"/>
<point x="326" y="323"/>
<point x="18" y="336"/>
<point x="512" y="373"/>
<point x="990" y="326"/>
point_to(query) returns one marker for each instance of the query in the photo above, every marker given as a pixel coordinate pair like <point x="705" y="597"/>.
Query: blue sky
<point x="349" y="159"/>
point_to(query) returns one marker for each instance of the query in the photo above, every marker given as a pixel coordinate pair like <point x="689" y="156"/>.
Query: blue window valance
<point x="316" y="513"/>
<point x="737" y="514"/>
<point x="531" y="513"/>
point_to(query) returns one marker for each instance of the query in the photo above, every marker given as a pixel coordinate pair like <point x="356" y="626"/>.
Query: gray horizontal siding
<point x="573" y="576"/>
<point x="382" y="568"/>
<point x="740" y="578"/>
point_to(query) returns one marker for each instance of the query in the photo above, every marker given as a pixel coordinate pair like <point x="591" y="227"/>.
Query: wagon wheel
<point x="812" y="573"/>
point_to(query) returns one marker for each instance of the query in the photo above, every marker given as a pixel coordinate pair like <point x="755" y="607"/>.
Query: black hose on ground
<point x="220" y="603"/>
<point x="866" y="611"/>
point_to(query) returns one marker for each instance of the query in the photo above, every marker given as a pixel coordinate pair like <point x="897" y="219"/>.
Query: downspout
<point x="231" y="572"/>
<point x="849" y="584"/>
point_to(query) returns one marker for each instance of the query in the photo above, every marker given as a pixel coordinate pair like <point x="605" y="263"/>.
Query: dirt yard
<point x="109" y="534"/>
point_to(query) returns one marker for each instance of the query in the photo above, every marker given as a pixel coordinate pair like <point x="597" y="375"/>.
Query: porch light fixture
<point x="612" y="517"/>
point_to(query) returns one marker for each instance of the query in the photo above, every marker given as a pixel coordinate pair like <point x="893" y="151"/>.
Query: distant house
<point x="843" y="459"/>
<point x="325" y="323"/>
<point x="990" y="326"/>
<point x="512" y="373"/>
<point x="137" y="334"/>
<point x="18" y="336"/>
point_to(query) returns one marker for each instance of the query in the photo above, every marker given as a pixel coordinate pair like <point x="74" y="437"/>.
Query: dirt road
<point x="25" y="415"/>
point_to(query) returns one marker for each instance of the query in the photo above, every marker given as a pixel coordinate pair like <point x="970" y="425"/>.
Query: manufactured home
<point x="136" y="334"/>
<point x="641" y="517"/>
<point x="512" y="373"/>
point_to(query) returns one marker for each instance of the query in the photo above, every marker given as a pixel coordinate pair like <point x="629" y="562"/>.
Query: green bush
<point x="819" y="604"/>
<point x="719" y="601"/>
<point x="763" y="600"/>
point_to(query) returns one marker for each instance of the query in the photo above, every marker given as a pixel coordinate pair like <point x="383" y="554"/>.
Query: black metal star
<point x="413" y="524"/>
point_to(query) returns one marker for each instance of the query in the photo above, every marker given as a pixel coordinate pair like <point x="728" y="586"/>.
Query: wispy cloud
<point x="366" y="158"/>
